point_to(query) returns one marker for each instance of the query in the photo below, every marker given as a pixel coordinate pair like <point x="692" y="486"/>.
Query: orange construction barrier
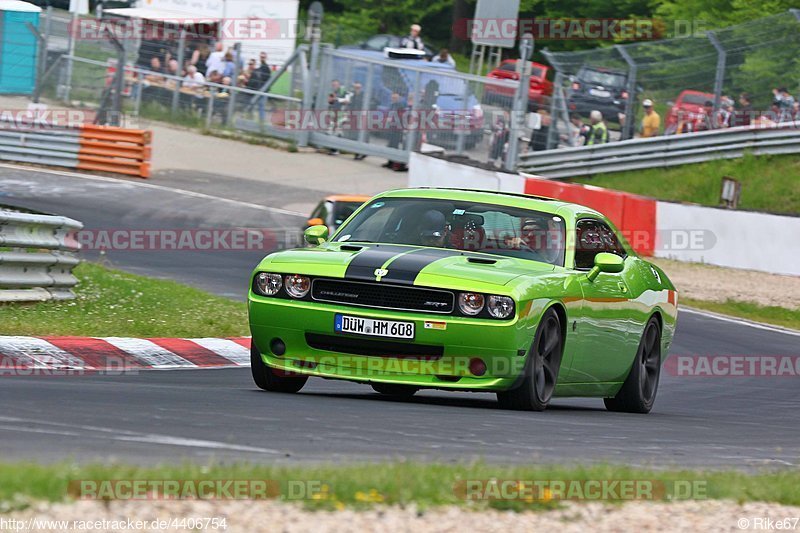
<point x="114" y="149"/>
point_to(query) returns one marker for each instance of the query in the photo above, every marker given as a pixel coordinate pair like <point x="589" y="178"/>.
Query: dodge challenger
<point x="527" y="297"/>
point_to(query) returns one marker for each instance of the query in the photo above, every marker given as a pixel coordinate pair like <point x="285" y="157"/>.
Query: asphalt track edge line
<point x="183" y="192"/>
<point x="740" y="321"/>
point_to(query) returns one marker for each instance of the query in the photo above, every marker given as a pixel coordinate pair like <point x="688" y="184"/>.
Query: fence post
<point x="411" y="139"/>
<point x="42" y="53"/>
<point x="237" y="48"/>
<point x="627" y="130"/>
<point x="720" y="75"/>
<point x="119" y="81"/>
<point x="315" y="34"/>
<point x="461" y="134"/>
<point x="365" y="105"/>
<point x="73" y="28"/>
<point x="520" y="106"/>
<point x="176" y="92"/>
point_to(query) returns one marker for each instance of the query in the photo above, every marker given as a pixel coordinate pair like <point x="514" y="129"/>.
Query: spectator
<point x="744" y="115"/>
<point x="246" y="73"/>
<point x="215" y="76"/>
<point x="193" y="79"/>
<point x="396" y="132"/>
<point x="413" y="40"/>
<point x="444" y="57"/>
<point x="261" y="75"/>
<point x="578" y="131"/>
<point x="725" y="115"/>
<point x="598" y="131"/>
<point x="216" y="60"/>
<point x="651" y="123"/>
<point x="499" y="140"/>
<point x="704" y="121"/>
<point x="539" y="136"/>
<point x="228" y="66"/>
<point x="785" y="103"/>
<point x="356" y="110"/>
<point x="155" y="69"/>
<point x="173" y="68"/>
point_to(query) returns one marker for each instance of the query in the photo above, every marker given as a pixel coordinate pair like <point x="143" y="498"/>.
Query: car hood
<point x="404" y="265"/>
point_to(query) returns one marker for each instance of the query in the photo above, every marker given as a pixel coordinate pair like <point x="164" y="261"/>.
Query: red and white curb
<point x="105" y="353"/>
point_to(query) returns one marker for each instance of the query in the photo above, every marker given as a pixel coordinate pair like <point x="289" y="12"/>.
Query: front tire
<point x="396" y="391"/>
<point x="638" y="393"/>
<point x="269" y="379"/>
<point x="541" y="368"/>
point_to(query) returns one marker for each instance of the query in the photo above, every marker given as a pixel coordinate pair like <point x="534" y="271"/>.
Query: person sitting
<point x="216" y="59"/>
<point x="193" y="79"/>
<point x="155" y="70"/>
<point x="444" y="57"/>
<point x="433" y="229"/>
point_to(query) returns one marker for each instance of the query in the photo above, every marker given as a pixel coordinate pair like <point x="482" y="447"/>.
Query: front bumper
<point x="444" y="355"/>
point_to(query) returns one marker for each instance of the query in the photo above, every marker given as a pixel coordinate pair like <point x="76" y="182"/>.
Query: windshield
<point x="696" y="99"/>
<point x="607" y="79"/>
<point x="460" y="225"/>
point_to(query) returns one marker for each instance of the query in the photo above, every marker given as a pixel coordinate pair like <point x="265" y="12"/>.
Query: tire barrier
<point x="37" y="257"/>
<point x="85" y="147"/>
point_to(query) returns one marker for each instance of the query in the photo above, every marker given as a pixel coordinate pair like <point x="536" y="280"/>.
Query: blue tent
<point x="18" y="47"/>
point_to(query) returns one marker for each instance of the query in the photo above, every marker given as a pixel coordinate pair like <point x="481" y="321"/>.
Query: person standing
<point x="651" y="123"/>
<point x="413" y="41"/>
<point x="598" y="131"/>
<point x="744" y="115"/>
<point x="444" y="57"/>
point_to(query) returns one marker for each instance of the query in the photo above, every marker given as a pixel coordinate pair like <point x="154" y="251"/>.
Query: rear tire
<point x="541" y="368"/>
<point x="638" y="393"/>
<point x="270" y="379"/>
<point x="396" y="391"/>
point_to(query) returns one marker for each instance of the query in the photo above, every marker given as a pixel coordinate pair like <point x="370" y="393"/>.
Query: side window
<point x="593" y="237"/>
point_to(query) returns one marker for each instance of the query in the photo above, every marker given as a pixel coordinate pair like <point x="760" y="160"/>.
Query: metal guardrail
<point x="664" y="151"/>
<point x="37" y="256"/>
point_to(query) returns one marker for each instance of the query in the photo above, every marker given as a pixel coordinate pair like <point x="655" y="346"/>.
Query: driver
<point x="433" y="229"/>
<point x="542" y="236"/>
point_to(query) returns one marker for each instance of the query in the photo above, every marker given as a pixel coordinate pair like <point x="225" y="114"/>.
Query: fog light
<point x="277" y="346"/>
<point x="477" y="367"/>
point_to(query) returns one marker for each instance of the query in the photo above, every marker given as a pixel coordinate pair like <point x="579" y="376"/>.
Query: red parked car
<point x="687" y="111"/>
<point x="540" y="87"/>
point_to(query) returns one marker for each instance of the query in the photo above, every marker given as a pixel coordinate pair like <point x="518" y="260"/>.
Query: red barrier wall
<point x="634" y="216"/>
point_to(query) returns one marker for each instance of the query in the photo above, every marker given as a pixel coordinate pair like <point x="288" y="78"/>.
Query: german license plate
<point x="599" y="93"/>
<point x="373" y="327"/>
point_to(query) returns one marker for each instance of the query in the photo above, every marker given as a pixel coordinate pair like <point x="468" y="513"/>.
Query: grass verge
<point x="114" y="303"/>
<point x="778" y="316"/>
<point x="427" y="485"/>
<point x="769" y="183"/>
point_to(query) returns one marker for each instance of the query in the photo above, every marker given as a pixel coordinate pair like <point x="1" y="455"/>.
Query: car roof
<point x="347" y="198"/>
<point x="509" y="199"/>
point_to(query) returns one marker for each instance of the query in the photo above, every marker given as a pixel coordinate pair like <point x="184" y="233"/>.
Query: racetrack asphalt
<point x="160" y="416"/>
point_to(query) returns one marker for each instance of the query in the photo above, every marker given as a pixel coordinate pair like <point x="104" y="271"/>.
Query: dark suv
<point x="598" y="88"/>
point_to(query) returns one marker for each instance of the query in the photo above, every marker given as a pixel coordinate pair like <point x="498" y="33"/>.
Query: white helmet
<point x="596" y="115"/>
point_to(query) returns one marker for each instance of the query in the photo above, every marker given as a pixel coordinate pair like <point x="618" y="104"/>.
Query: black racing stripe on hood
<point x="362" y="266"/>
<point x="405" y="269"/>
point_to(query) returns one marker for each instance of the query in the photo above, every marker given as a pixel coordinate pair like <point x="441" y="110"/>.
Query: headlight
<point x="297" y="286"/>
<point x="500" y="306"/>
<point x="470" y="303"/>
<point x="268" y="284"/>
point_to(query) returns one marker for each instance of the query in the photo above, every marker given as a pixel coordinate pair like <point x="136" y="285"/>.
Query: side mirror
<point x="316" y="234"/>
<point x="606" y="262"/>
<point x="315" y="222"/>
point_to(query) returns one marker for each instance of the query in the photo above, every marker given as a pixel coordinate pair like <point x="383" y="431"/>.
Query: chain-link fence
<point x="694" y="82"/>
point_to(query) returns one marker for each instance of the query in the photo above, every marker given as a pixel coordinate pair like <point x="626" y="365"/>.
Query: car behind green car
<point x="524" y="296"/>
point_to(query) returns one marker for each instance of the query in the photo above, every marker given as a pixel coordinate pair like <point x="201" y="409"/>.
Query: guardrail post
<point x="720" y="74"/>
<point x="520" y="105"/>
<point x="176" y="92"/>
<point x="627" y="130"/>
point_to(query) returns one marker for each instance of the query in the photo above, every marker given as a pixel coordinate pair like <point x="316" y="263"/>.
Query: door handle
<point x="622" y="286"/>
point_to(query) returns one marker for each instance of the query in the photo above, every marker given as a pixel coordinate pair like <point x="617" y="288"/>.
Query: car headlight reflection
<point x="297" y="286"/>
<point x="470" y="303"/>
<point x="268" y="284"/>
<point x="500" y="306"/>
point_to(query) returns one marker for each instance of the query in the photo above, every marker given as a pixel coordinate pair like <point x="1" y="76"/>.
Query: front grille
<point x="369" y="347"/>
<point x="364" y="294"/>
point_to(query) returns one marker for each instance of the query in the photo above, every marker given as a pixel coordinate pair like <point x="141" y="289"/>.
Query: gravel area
<point x="717" y="284"/>
<point x="272" y="516"/>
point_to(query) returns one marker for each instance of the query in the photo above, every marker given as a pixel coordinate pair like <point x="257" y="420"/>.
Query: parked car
<point x="334" y="209"/>
<point x="687" y="110"/>
<point x="540" y="87"/>
<point x="377" y="43"/>
<point x="526" y="297"/>
<point x="598" y="88"/>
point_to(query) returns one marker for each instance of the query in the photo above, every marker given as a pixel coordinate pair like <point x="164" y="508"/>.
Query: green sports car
<point x="452" y="289"/>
